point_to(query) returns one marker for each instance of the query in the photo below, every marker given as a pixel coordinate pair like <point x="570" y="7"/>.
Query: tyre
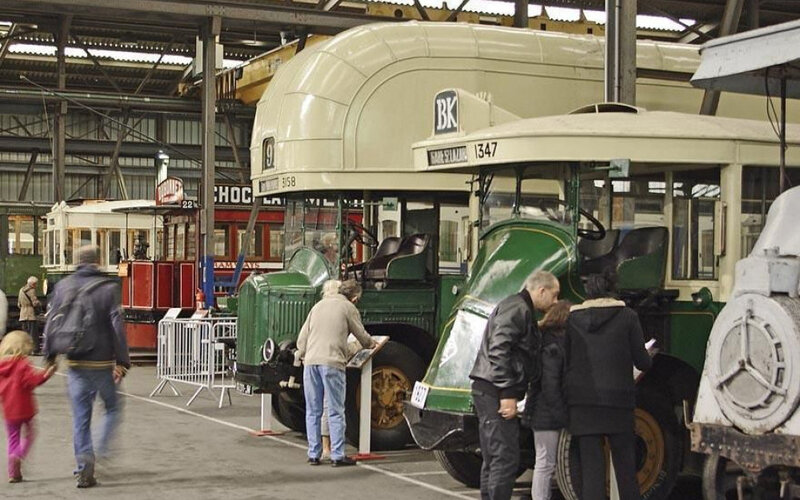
<point x="659" y="444"/>
<point x="289" y="409"/>
<point x="463" y="466"/>
<point x="394" y="370"/>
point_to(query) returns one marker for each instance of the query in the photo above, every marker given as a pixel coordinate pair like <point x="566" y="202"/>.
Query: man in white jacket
<point x="322" y="345"/>
<point x="3" y="313"/>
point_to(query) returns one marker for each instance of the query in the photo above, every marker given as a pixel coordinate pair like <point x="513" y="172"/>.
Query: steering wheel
<point x="599" y="231"/>
<point x="361" y="234"/>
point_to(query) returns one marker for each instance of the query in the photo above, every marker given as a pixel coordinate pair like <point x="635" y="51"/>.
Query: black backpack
<point x="71" y="328"/>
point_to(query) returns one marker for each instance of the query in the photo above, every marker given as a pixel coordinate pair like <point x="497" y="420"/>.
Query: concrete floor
<point x="167" y="451"/>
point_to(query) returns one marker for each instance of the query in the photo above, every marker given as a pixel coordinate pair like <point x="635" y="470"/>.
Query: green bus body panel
<point x="410" y="306"/>
<point x="642" y="273"/>
<point x="690" y="327"/>
<point x="509" y="253"/>
<point x="447" y="299"/>
<point x="409" y="267"/>
<point x="15" y="271"/>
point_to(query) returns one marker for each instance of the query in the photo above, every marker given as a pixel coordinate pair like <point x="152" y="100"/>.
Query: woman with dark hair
<point x="545" y="406"/>
<point x="604" y="342"/>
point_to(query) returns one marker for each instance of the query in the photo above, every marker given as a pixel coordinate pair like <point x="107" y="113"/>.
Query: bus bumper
<point x="442" y="430"/>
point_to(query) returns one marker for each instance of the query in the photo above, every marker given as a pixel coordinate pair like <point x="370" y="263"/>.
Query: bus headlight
<point x="268" y="350"/>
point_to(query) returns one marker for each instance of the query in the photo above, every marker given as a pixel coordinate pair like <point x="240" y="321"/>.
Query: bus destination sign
<point x="447" y="156"/>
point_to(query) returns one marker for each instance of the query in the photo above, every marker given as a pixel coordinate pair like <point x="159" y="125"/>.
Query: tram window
<point x="70" y="248"/>
<point x="275" y="242"/>
<point x="191" y="242"/>
<point x="139" y="244"/>
<point x="102" y="242"/>
<point x="638" y="202"/>
<point x="180" y="242"/>
<point x="20" y="235"/>
<point x="694" y="196"/>
<point x="114" y="246"/>
<point x="760" y="187"/>
<point x="256" y="248"/>
<point x="221" y="241"/>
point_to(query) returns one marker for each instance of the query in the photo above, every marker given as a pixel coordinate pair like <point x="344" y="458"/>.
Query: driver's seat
<point x="407" y="262"/>
<point x="639" y="261"/>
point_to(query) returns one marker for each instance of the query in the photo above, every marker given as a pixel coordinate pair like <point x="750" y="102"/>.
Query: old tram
<point x="151" y="247"/>
<point x="670" y="200"/>
<point x="339" y="150"/>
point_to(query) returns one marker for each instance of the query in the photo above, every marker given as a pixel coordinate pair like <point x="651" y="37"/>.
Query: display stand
<point x="613" y="487"/>
<point x="363" y="360"/>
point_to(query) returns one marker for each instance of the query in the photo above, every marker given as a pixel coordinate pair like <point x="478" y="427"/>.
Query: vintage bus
<point x="337" y="123"/>
<point x="670" y="201"/>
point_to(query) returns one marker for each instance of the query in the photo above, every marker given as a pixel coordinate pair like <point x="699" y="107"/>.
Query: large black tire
<point x="289" y="409"/>
<point x="395" y="366"/>
<point x="463" y="466"/>
<point x="659" y="444"/>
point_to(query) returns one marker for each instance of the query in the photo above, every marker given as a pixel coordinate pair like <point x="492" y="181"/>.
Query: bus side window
<point x="694" y="197"/>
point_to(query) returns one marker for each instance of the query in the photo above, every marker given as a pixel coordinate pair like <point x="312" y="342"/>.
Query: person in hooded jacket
<point x="545" y="405"/>
<point x="604" y="342"/>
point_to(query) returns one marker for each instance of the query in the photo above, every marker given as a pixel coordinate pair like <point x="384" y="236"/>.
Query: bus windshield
<point x="525" y="193"/>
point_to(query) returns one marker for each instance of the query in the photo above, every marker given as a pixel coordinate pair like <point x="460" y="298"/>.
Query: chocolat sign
<point x="231" y="194"/>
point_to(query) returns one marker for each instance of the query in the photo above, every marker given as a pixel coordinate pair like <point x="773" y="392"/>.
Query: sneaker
<point x="15" y="472"/>
<point x="313" y="461"/>
<point x="86" y="482"/>
<point x="344" y="462"/>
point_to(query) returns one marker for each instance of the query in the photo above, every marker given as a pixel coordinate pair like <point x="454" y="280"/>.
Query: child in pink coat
<point x="18" y="379"/>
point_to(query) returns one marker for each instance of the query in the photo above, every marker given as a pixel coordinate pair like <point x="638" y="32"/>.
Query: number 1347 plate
<point x="419" y="395"/>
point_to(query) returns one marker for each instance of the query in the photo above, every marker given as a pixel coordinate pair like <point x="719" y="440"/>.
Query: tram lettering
<point x="446" y="112"/>
<point x="485" y="149"/>
<point x="288" y="181"/>
<point x="446" y="156"/>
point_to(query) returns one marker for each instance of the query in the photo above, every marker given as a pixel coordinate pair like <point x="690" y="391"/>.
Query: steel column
<point x="28" y="175"/>
<point x="620" y="56"/>
<point x="6" y="43"/>
<point x="728" y="26"/>
<point x="59" y="126"/>
<point x="520" y="13"/>
<point x="209" y="98"/>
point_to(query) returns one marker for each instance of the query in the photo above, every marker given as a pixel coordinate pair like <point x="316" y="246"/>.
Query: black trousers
<point x="32" y="327"/>
<point x="593" y="466"/>
<point x="499" y="439"/>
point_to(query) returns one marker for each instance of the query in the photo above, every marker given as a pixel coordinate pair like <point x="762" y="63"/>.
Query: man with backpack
<point x="84" y="323"/>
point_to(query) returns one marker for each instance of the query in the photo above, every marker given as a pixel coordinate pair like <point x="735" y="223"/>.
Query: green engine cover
<point x="509" y="253"/>
<point x="275" y="305"/>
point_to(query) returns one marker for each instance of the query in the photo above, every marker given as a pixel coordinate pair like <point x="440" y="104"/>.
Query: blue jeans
<point x="324" y="382"/>
<point x="83" y="386"/>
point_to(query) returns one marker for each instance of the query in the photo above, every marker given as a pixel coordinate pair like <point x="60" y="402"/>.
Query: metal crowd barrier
<point x="195" y="352"/>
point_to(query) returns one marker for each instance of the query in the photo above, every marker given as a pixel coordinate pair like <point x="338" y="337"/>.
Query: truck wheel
<point x="289" y="410"/>
<point x="394" y="370"/>
<point x="463" y="466"/>
<point x="717" y="482"/>
<point x="659" y="442"/>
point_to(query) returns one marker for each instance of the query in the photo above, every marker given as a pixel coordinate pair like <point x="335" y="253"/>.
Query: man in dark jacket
<point x="97" y="371"/>
<point x="604" y="342"/>
<point x="506" y="361"/>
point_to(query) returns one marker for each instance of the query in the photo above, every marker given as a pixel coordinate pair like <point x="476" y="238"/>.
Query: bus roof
<point x="343" y="113"/>
<point x="639" y="135"/>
